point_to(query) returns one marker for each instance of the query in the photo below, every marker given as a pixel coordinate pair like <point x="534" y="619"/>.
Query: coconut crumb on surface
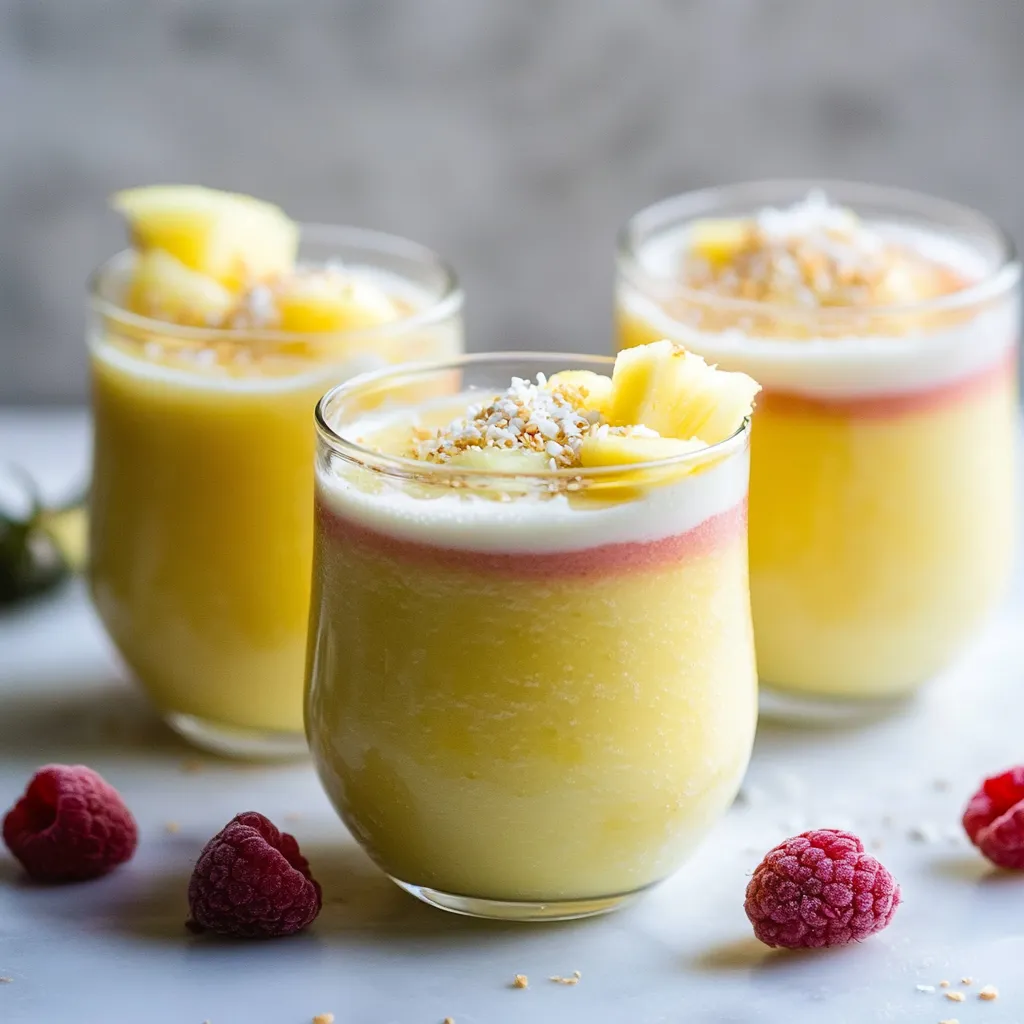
<point x="520" y="981"/>
<point x="324" y="1018"/>
<point x="574" y="979"/>
<point x="814" y="254"/>
<point x="955" y="997"/>
<point x="943" y="983"/>
<point x="926" y="988"/>
<point x="951" y="1020"/>
<point x="988" y="993"/>
<point x="527" y="416"/>
<point x="448" y="1020"/>
<point x="967" y="980"/>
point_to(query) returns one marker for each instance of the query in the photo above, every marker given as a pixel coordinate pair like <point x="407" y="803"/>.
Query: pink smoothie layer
<point x="604" y="560"/>
<point x="897" y="404"/>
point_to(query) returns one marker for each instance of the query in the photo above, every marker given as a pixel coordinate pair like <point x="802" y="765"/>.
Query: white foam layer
<point x="843" y="367"/>
<point x="531" y="524"/>
<point x="204" y="379"/>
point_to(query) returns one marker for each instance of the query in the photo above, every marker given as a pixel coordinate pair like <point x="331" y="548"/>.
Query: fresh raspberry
<point x="252" y="882"/>
<point x="70" y="825"/>
<point x="820" y="889"/>
<point x="994" y="819"/>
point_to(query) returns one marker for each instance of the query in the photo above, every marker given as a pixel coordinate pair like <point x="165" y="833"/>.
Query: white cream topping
<point x="326" y="375"/>
<point x="842" y="367"/>
<point x="530" y="524"/>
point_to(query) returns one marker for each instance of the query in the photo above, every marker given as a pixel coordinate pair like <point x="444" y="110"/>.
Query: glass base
<point x="509" y="910"/>
<point x="798" y="708"/>
<point x="232" y="741"/>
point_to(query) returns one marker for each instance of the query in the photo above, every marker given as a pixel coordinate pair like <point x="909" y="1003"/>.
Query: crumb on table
<point x="955" y="997"/>
<point x="324" y="1018"/>
<point x="988" y="993"/>
<point x="573" y="980"/>
<point x="520" y="981"/>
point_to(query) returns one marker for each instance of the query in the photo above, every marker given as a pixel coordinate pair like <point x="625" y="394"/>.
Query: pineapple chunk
<point x="624" y="450"/>
<point x="718" y="241"/>
<point x="500" y="460"/>
<point x="233" y="238"/>
<point x="328" y="302"/>
<point x="672" y="391"/>
<point x="592" y="391"/>
<point x="163" y="287"/>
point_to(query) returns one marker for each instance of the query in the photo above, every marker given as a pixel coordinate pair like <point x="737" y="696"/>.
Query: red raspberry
<point x="70" y="825"/>
<point x="252" y="882"/>
<point x="820" y="889"/>
<point x="994" y="819"/>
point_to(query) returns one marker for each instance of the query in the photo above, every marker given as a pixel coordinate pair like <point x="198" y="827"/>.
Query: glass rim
<point x="686" y="207"/>
<point x="448" y="302"/>
<point x="406" y="468"/>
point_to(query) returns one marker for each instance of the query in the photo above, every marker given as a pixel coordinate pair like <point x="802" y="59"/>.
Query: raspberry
<point x="994" y="819"/>
<point x="820" y="889"/>
<point x="252" y="882"/>
<point x="70" y="825"/>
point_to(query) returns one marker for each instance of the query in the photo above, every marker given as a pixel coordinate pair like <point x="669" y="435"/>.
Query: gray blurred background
<point x="512" y="135"/>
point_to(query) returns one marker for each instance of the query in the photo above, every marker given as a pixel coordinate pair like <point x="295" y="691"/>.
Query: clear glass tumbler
<point x="882" y="474"/>
<point x="201" y="524"/>
<point x="529" y="695"/>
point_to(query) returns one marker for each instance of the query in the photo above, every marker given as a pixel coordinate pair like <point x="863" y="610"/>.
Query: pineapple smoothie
<point x="531" y="684"/>
<point x="883" y="327"/>
<point x="211" y="341"/>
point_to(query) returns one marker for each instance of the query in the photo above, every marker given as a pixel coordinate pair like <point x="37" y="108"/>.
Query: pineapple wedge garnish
<point x="232" y="238"/>
<point x="625" y="450"/>
<point x="589" y="390"/>
<point x="604" y="449"/>
<point x="674" y="392"/>
<point x="718" y="241"/>
<point x="327" y="302"/>
<point x="163" y="287"/>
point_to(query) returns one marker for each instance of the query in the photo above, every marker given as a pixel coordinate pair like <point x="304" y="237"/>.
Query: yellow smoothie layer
<point x="533" y="699"/>
<point x="529" y="738"/>
<point x="881" y="516"/>
<point x="879" y="542"/>
<point x="201" y="534"/>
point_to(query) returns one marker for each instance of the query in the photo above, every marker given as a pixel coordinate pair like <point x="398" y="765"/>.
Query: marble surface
<point x="513" y="137"/>
<point x="115" y="950"/>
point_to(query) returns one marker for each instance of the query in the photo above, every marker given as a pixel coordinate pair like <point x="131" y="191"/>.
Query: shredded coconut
<point x="527" y="416"/>
<point x="812" y="253"/>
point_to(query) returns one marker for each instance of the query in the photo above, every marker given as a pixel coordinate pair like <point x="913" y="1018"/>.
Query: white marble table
<point x="115" y="951"/>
